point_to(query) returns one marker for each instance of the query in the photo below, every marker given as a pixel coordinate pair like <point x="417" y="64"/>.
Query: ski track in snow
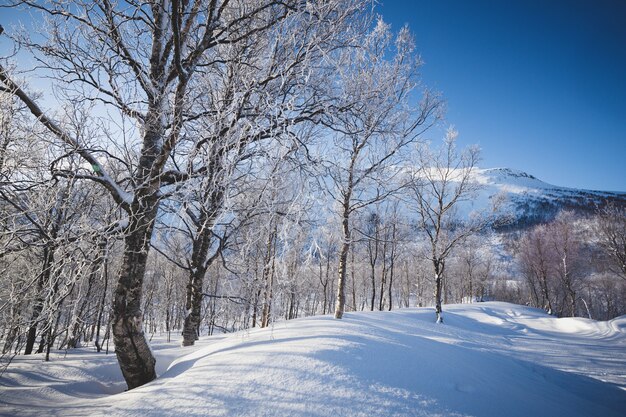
<point x="488" y="359"/>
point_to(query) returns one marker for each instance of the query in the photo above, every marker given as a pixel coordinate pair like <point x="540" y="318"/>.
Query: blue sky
<point x="539" y="85"/>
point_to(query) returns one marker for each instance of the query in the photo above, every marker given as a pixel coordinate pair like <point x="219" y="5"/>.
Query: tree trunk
<point x="391" y="270"/>
<point x="201" y="246"/>
<point x="353" y="273"/>
<point x="343" y="259"/>
<point x="268" y="276"/>
<point x="78" y="319"/>
<point x="194" y="306"/>
<point x="105" y="277"/>
<point x="546" y="294"/>
<point x="324" y="285"/>
<point x="383" y="277"/>
<point x="255" y="310"/>
<point x="572" y="296"/>
<point x="373" y="259"/>
<point x="439" y="266"/>
<point x="341" y="283"/>
<point x="131" y="347"/>
<point x="44" y="277"/>
<point x="13" y="328"/>
<point x="212" y="200"/>
<point x="373" y="279"/>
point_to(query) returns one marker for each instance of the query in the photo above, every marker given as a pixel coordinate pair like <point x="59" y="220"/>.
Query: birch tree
<point x="141" y="63"/>
<point x="566" y="248"/>
<point x="610" y="229"/>
<point x="371" y="124"/>
<point x="439" y="187"/>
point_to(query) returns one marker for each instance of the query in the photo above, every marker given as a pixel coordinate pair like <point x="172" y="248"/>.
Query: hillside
<point x="489" y="359"/>
<point x="531" y="200"/>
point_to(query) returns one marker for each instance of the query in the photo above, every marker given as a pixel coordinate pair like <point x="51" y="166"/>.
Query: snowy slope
<point x="531" y="200"/>
<point x="489" y="359"/>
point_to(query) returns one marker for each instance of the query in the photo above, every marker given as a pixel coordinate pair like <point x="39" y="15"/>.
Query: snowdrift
<point x="488" y="359"/>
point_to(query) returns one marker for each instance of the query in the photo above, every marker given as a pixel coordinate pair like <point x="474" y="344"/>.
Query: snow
<point x="520" y="190"/>
<point x="488" y="359"/>
<point x="516" y="182"/>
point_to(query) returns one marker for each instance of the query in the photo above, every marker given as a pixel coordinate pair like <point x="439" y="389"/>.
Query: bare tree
<point x="393" y="238"/>
<point x="241" y="133"/>
<point x="610" y="229"/>
<point x="144" y="62"/>
<point x="550" y="257"/>
<point x="568" y="259"/>
<point x="475" y="265"/>
<point x="323" y="250"/>
<point x="534" y="257"/>
<point x="372" y="232"/>
<point x="439" y="188"/>
<point x="371" y="124"/>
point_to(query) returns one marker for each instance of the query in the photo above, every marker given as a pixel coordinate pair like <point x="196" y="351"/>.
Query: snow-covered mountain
<point x="531" y="200"/>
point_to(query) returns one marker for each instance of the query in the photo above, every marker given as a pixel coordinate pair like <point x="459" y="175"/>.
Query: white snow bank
<point x="489" y="359"/>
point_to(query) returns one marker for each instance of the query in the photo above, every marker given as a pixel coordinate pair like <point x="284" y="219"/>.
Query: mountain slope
<point x="530" y="200"/>
<point x="489" y="359"/>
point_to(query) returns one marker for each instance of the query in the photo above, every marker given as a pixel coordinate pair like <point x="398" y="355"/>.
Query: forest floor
<point x="488" y="359"/>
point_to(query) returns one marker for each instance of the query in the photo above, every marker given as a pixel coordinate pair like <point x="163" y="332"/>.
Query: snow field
<point x="488" y="359"/>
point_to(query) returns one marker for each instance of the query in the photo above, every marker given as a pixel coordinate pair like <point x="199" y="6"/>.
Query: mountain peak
<point x="534" y="201"/>
<point x="511" y="180"/>
<point x="509" y="172"/>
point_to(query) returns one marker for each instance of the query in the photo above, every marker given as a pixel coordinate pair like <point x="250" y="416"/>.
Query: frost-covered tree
<point x="568" y="260"/>
<point x="371" y="123"/>
<point x="550" y="257"/>
<point x="610" y="228"/>
<point x="438" y="189"/>
<point x="144" y="65"/>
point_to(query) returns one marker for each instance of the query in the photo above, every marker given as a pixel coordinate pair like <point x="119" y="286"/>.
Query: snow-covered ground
<point x="488" y="359"/>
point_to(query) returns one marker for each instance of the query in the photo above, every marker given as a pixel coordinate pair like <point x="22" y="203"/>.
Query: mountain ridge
<point x="532" y="201"/>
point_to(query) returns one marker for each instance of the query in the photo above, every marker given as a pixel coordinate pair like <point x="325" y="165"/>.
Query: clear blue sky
<point x="540" y="85"/>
